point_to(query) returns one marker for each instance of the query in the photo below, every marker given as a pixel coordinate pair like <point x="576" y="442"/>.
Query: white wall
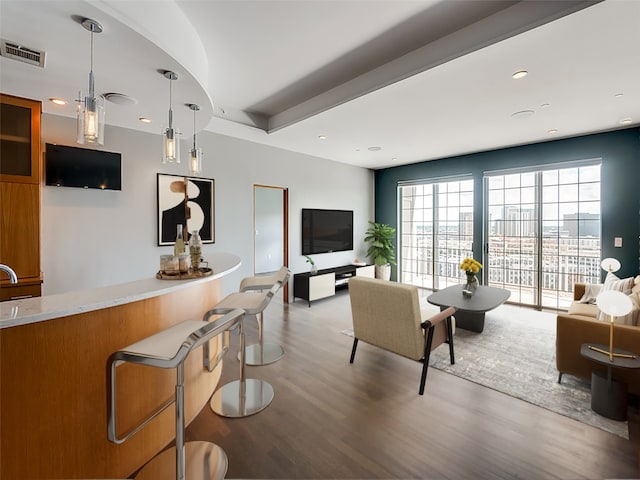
<point x="94" y="238"/>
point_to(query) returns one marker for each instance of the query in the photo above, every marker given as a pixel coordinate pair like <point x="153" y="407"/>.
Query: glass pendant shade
<point x="90" y="120"/>
<point x="195" y="153"/>
<point x="195" y="161"/>
<point x="170" y="146"/>
<point x="90" y="115"/>
<point x="170" y="143"/>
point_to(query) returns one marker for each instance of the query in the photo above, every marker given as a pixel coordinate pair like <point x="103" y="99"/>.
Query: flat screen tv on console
<point x="82" y="167"/>
<point x="325" y="231"/>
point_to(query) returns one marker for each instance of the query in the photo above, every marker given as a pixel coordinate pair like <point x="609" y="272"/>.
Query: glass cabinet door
<point x="19" y="140"/>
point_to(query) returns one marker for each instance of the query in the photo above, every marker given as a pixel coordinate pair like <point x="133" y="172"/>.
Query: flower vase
<point x="314" y="269"/>
<point x="470" y="287"/>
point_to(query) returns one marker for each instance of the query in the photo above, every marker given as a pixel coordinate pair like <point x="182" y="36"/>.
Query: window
<point x="543" y="232"/>
<point x="436" y="231"/>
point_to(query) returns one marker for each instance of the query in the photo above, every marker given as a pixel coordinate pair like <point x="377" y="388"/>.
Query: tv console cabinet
<point x="324" y="284"/>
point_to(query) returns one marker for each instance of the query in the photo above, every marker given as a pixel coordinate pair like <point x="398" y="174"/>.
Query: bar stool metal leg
<point x="207" y="461"/>
<point x="245" y="396"/>
<point x="263" y="353"/>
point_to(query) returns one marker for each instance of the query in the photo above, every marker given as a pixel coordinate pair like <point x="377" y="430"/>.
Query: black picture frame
<point x="186" y="201"/>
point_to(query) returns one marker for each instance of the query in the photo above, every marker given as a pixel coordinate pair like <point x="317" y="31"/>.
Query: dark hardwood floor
<point x="330" y="419"/>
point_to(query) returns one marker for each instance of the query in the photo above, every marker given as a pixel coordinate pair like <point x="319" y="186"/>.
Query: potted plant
<point x="380" y="237"/>
<point x="310" y="261"/>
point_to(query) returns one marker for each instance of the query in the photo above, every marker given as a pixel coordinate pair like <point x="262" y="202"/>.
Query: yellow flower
<point x="470" y="265"/>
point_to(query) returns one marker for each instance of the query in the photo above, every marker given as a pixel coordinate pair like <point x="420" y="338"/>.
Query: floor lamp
<point x="610" y="265"/>
<point x="614" y="304"/>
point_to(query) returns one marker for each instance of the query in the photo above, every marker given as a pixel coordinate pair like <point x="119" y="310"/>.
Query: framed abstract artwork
<point x="185" y="201"/>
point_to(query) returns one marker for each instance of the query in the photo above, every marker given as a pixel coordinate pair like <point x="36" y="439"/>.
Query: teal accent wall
<point x="620" y="183"/>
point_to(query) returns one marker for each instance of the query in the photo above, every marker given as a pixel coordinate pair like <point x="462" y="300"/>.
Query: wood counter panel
<point x="53" y="389"/>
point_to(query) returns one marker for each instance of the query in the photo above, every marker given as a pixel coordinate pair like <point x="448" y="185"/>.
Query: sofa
<point x="583" y="323"/>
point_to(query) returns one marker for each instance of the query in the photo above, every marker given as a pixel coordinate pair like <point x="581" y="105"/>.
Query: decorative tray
<point x="201" y="272"/>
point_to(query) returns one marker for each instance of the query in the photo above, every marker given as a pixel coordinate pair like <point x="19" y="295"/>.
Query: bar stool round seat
<point x="168" y="349"/>
<point x="263" y="353"/>
<point x="245" y="396"/>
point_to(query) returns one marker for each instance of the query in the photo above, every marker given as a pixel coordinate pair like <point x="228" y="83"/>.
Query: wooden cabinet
<point x="324" y="283"/>
<point x="20" y="174"/>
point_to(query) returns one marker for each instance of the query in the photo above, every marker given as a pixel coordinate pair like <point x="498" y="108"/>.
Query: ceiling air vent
<point x="21" y="53"/>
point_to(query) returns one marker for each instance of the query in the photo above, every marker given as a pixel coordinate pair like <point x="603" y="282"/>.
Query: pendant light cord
<point x="170" y="103"/>
<point x="91" y="88"/>
<point x="194" y="128"/>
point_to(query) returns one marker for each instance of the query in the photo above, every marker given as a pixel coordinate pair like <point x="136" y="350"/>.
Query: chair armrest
<point x="432" y="321"/>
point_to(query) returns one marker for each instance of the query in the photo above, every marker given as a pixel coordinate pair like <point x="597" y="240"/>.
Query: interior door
<point x="270" y="230"/>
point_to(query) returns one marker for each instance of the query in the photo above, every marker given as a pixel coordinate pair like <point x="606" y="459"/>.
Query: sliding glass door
<point x="542" y="232"/>
<point x="436" y="231"/>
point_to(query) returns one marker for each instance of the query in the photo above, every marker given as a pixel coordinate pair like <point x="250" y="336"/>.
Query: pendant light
<point x="170" y="144"/>
<point x="195" y="153"/>
<point x="90" y="119"/>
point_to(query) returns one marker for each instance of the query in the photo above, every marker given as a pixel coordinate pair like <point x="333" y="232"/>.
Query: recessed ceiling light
<point x="374" y="149"/>
<point x="145" y="120"/>
<point x="545" y="105"/>
<point x="58" y="101"/>
<point x="552" y="131"/>
<point x="625" y="121"/>
<point x="322" y="137"/>
<point x="619" y="95"/>
<point x="394" y="159"/>
<point x="522" y="114"/>
<point x="519" y="74"/>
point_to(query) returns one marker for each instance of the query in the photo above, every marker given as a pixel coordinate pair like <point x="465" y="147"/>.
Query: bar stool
<point x="264" y="353"/>
<point x="245" y="396"/>
<point x="168" y="349"/>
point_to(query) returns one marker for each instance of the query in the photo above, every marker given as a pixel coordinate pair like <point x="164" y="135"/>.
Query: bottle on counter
<point x="195" y="249"/>
<point x="179" y="247"/>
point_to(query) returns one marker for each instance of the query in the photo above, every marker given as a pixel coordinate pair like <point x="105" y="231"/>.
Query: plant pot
<point x="383" y="272"/>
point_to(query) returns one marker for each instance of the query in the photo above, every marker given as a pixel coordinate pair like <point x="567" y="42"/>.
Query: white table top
<point x="38" y="309"/>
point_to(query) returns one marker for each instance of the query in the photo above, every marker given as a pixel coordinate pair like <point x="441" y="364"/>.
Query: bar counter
<point x="53" y="354"/>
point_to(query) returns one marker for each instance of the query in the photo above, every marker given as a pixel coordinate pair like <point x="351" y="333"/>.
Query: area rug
<point x="515" y="355"/>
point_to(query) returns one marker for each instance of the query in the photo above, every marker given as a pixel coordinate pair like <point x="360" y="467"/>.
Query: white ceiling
<point x="419" y="79"/>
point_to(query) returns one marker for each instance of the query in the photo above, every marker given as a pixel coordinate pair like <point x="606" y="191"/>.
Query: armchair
<point x="388" y="315"/>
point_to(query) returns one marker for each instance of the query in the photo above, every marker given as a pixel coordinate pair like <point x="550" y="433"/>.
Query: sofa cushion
<point x="591" y="291"/>
<point x="585" y="309"/>
<point x="633" y="316"/>
<point x="613" y="282"/>
<point x="636" y="288"/>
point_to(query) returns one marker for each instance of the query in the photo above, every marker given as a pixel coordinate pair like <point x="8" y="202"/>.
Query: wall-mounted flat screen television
<point x="325" y="231"/>
<point x="82" y="167"/>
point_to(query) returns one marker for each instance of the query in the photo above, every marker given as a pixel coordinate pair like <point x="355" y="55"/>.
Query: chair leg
<point x="353" y="350"/>
<point x="450" y="335"/>
<point x="560" y="377"/>
<point x="425" y="366"/>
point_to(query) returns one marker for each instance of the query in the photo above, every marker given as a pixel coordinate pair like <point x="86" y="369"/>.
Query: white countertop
<point x="39" y="309"/>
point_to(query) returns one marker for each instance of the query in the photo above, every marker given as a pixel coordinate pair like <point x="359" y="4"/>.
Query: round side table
<point x="608" y="395"/>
